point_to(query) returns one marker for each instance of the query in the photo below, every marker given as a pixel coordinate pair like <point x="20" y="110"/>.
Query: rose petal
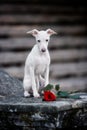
<point x="49" y="96"/>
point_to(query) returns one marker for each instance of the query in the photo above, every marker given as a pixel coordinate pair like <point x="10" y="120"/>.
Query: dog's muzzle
<point x="43" y="50"/>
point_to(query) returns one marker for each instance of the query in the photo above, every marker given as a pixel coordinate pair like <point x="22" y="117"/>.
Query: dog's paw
<point x="26" y="94"/>
<point x="36" y="95"/>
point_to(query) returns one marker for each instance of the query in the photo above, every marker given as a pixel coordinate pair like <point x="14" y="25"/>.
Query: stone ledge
<point x="19" y="113"/>
<point x="16" y="104"/>
<point x="43" y="115"/>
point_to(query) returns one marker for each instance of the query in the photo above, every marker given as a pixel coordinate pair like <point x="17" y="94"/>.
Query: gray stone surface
<point x="9" y="86"/>
<point x="19" y="113"/>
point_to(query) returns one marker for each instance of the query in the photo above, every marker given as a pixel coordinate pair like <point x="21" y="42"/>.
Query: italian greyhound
<point x="37" y="63"/>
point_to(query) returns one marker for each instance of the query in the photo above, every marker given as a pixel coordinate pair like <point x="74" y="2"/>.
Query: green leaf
<point x="57" y="87"/>
<point x="74" y="96"/>
<point x="63" y="94"/>
<point x="48" y="87"/>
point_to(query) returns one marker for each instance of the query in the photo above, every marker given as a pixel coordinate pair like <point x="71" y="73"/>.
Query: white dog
<point x="37" y="63"/>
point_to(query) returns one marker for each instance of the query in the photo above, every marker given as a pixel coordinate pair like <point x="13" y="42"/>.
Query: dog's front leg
<point x="46" y="76"/>
<point x="37" y="83"/>
<point x="35" y="93"/>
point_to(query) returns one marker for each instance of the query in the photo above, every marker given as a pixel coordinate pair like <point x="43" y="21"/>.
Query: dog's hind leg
<point x="41" y="82"/>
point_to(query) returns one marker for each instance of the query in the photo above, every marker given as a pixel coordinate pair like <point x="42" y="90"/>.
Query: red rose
<point x="49" y="96"/>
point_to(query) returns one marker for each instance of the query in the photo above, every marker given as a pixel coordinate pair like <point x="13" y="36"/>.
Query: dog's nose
<point x="43" y="50"/>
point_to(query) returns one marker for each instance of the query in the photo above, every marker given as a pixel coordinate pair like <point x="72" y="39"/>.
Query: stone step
<point x="56" y="43"/>
<point x="47" y="2"/>
<point x="68" y="69"/>
<point x="9" y="58"/>
<point x="57" y="71"/>
<point x="41" y="8"/>
<point x="41" y="19"/>
<point x="20" y="30"/>
<point x="71" y="84"/>
<point x="33" y="113"/>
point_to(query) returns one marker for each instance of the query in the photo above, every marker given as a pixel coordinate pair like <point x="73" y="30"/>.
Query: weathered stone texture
<point x="19" y="113"/>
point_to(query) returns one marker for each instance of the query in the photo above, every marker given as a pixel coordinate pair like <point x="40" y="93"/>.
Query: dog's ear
<point x="50" y="32"/>
<point x="33" y="32"/>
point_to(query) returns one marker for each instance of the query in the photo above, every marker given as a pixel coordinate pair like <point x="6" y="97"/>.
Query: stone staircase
<point x="68" y="49"/>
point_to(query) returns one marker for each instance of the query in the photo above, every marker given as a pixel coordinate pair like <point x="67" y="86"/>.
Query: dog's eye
<point x="38" y="40"/>
<point x="46" y="40"/>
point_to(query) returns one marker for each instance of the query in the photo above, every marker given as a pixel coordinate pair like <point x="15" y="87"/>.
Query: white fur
<point x="37" y="63"/>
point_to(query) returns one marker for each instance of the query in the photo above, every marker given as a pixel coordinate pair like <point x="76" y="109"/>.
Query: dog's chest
<point x="41" y="65"/>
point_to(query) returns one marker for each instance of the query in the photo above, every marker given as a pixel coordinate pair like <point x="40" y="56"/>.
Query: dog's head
<point x="42" y="38"/>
